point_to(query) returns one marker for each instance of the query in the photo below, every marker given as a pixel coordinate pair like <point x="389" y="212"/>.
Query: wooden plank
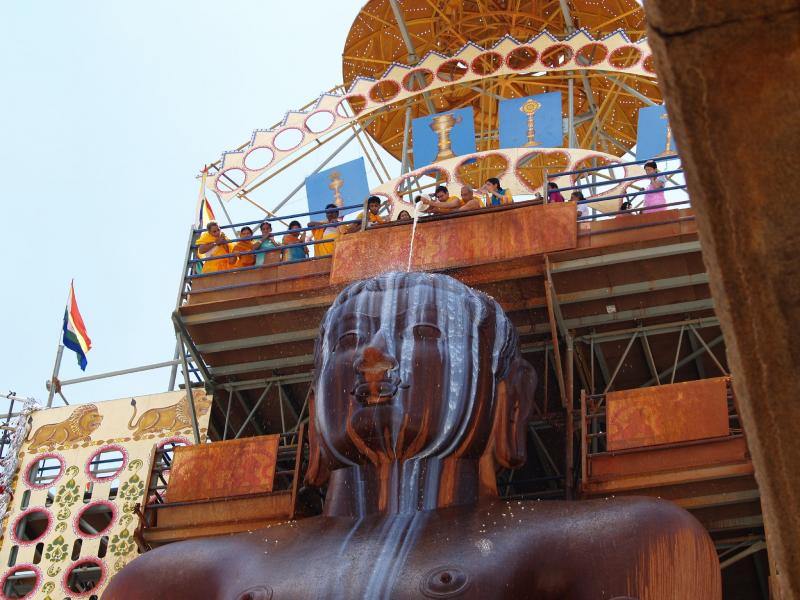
<point x="667" y="414"/>
<point x="206" y="471"/>
<point x="480" y="238"/>
<point x="226" y="512"/>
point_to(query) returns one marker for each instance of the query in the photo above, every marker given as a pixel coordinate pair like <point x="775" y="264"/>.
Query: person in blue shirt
<point x="495" y="195"/>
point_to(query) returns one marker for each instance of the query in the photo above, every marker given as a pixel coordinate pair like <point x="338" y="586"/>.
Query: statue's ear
<point x="514" y="399"/>
<point x="318" y="462"/>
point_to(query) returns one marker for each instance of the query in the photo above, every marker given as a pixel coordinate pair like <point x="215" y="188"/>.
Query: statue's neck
<point x="414" y="485"/>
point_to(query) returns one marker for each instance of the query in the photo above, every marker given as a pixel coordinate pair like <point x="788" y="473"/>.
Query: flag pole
<point x="57" y="366"/>
<point x="51" y="384"/>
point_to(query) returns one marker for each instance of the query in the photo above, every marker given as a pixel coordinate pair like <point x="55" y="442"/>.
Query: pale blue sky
<point x="107" y="113"/>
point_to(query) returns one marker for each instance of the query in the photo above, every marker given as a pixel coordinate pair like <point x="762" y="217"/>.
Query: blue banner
<point x="343" y="185"/>
<point x="532" y="121"/>
<point x="654" y="136"/>
<point x="442" y="136"/>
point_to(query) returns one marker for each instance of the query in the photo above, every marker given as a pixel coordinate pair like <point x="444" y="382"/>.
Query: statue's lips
<point x="375" y="392"/>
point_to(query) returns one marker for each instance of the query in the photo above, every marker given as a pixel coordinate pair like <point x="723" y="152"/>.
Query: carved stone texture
<point x="730" y="73"/>
<point x="419" y="387"/>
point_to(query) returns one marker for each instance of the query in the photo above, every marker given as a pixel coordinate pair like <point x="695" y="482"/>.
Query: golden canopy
<point x="605" y="102"/>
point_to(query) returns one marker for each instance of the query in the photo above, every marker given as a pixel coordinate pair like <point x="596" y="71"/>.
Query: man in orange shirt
<point x="445" y="203"/>
<point x="373" y="208"/>
<point x="213" y="242"/>
<point x="244" y="244"/>
<point x="330" y="232"/>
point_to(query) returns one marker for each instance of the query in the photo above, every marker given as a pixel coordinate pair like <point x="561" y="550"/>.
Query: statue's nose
<point x="375" y="359"/>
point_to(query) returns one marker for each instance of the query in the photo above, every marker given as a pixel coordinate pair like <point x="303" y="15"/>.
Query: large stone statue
<point x="419" y="387"/>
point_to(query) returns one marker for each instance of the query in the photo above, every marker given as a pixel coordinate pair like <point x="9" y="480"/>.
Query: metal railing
<point x="612" y="182"/>
<point x="193" y="263"/>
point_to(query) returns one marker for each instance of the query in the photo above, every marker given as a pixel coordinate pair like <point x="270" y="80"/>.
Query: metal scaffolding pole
<point x="190" y="396"/>
<point x="253" y="411"/>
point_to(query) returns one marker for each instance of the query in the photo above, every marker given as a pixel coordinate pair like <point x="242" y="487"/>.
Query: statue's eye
<point x="347" y="342"/>
<point x="427" y="332"/>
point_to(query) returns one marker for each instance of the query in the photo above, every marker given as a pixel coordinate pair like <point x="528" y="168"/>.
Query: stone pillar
<point x="730" y="73"/>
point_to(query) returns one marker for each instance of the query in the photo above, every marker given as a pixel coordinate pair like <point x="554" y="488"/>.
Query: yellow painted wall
<point x="73" y="434"/>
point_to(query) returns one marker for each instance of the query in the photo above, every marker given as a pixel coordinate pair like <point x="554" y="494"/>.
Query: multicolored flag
<point x="205" y="215"/>
<point x="75" y="336"/>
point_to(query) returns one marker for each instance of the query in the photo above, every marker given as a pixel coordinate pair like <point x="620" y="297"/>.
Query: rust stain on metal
<point x="480" y="238"/>
<point x="667" y="414"/>
<point x="205" y="471"/>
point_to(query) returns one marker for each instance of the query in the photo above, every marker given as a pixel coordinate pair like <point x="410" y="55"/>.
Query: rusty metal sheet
<point x="730" y="451"/>
<point x="480" y="238"/>
<point x="223" y="469"/>
<point x="667" y="414"/>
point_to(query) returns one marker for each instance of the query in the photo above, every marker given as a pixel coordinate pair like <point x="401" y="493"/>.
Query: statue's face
<point x="405" y="372"/>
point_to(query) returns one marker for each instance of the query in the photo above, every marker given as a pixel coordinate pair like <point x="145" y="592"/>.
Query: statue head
<point x="413" y="365"/>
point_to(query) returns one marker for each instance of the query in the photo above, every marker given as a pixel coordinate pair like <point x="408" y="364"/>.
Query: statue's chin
<point x="374" y="423"/>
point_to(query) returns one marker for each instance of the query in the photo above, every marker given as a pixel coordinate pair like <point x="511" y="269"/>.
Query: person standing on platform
<point x="654" y="200"/>
<point x="469" y="201"/>
<point x="577" y="197"/>
<point x="443" y="203"/>
<point x="245" y="244"/>
<point x="292" y="251"/>
<point x="267" y="242"/>
<point x="213" y="242"/>
<point x="373" y="218"/>
<point x="495" y="195"/>
<point x="553" y="194"/>
<point x="329" y="232"/>
<point x="404" y="216"/>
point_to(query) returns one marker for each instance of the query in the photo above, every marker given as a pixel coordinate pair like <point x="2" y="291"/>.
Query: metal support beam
<point x="542" y="449"/>
<point x="689" y="358"/>
<point x="657" y="329"/>
<point x="698" y="361"/>
<point x="628" y="289"/>
<point x="753" y="549"/>
<point x="275" y="339"/>
<point x="252" y="384"/>
<point x="264" y="365"/>
<point x="622" y="316"/>
<point x="632" y="91"/>
<point x="183" y="333"/>
<point x="621" y="361"/>
<point x="622" y="257"/>
<point x="189" y="395"/>
<point x="710" y="353"/>
<point x="572" y="139"/>
<point x="554" y="337"/>
<point x="161" y="365"/>
<point x="259" y="310"/>
<point x="227" y="416"/>
<point x="677" y="355"/>
<point x="601" y="362"/>
<point x="570" y="425"/>
<point x="412" y="53"/>
<point x="302" y="184"/>
<point x="253" y="411"/>
<point x="245" y="410"/>
<point x="649" y="356"/>
<point x="405" y="166"/>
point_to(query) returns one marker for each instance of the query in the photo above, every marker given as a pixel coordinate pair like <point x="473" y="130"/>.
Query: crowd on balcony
<point x="249" y="249"/>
